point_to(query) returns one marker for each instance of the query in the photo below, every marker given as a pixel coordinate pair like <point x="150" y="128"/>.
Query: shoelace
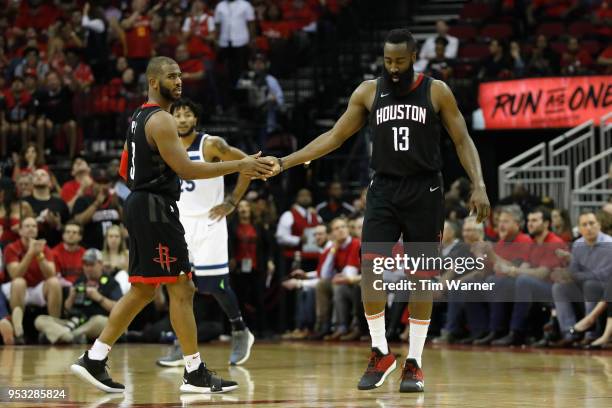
<point x="409" y="368"/>
<point x="374" y="360"/>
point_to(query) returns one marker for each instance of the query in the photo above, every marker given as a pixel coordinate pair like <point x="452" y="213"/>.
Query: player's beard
<point x="402" y="86"/>
<point x="166" y="93"/>
<point x="187" y="133"/>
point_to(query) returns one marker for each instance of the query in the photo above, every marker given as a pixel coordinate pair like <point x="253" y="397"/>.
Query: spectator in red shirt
<point x="12" y="211"/>
<point x="81" y="182"/>
<point x="199" y="31"/>
<point x="575" y="60"/>
<point x="605" y="60"/>
<point x="76" y="72"/>
<point x="511" y="250"/>
<point x="338" y="272"/>
<point x="36" y="14"/>
<point x="29" y="263"/>
<point x="68" y="253"/>
<point x="250" y="264"/>
<point x="532" y="277"/>
<point x="275" y="30"/>
<point x="138" y="35"/>
<point x="192" y="73"/>
<point x="299" y="14"/>
<point x="17" y="116"/>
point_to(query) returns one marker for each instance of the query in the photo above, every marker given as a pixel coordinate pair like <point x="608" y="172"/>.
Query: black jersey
<point x="405" y="131"/>
<point x="147" y="171"/>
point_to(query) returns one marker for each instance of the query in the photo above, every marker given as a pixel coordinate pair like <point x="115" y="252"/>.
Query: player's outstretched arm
<point x="454" y="123"/>
<point x="225" y="152"/>
<point x="162" y="130"/>
<point x="349" y="123"/>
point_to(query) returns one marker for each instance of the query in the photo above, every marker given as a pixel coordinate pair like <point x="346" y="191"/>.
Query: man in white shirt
<point x="235" y="32"/>
<point x="428" y="50"/>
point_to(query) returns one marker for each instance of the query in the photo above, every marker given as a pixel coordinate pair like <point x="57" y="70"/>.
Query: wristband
<point x="280" y="164"/>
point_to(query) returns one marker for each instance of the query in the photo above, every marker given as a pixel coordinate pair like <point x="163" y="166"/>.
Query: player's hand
<point x="276" y="168"/>
<point x="219" y="211"/>
<point x="256" y="167"/>
<point x="479" y="203"/>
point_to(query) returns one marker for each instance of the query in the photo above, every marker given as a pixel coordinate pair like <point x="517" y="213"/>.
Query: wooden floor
<point x="323" y="375"/>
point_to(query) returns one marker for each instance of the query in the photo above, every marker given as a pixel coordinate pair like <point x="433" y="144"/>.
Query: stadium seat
<point x="551" y="29"/>
<point x="580" y="29"/>
<point x="475" y="12"/>
<point x="463" y="32"/>
<point x="558" y="47"/>
<point x="473" y="51"/>
<point x="497" y="31"/>
<point x="463" y="70"/>
<point x="591" y="46"/>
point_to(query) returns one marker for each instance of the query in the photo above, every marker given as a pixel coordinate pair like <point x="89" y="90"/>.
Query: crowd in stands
<point x="297" y="273"/>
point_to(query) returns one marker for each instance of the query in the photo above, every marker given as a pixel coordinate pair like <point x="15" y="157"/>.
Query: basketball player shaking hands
<point x="406" y="195"/>
<point x="203" y="209"/>
<point x="152" y="162"/>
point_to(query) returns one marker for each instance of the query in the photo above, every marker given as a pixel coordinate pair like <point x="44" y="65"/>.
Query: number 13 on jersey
<point x="400" y="138"/>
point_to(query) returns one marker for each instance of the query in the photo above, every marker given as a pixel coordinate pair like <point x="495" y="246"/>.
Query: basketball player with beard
<point x="405" y="197"/>
<point x="152" y="162"/>
<point x="203" y="209"/>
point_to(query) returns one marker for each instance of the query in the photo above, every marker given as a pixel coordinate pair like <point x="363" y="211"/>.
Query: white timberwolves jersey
<point x="199" y="196"/>
<point x="206" y="239"/>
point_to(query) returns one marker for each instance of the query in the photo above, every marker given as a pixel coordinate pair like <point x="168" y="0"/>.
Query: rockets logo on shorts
<point x="164" y="258"/>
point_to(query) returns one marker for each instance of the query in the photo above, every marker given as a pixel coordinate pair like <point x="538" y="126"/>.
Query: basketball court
<point x="323" y="375"/>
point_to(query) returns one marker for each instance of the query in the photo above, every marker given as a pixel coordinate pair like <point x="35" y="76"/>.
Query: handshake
<point x="257" y="167"/>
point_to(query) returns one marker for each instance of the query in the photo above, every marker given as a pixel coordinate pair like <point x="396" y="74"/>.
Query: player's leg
<point x="422" y="225"/>
<point x="91" y="366"/>
<point x="380" y="232"/>
<point x="197" y="378"/>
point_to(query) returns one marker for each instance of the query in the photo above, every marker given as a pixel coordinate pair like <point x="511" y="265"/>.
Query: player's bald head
<point x="156" y="65"/>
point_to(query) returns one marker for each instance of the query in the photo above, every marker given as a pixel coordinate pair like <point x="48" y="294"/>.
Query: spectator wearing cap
<point x="97" y="210"/>
<point x="29" y="263"/>
<point x="54" y="110"/>
<point x="51" y="212"/>
<point x="17" y="116"/>
<point x="428" y="50"/>
<point x="89" y="302"/>
<point x="68" y="253"/>
<point x="235" y="32"/>
<point x="80" y="183"/>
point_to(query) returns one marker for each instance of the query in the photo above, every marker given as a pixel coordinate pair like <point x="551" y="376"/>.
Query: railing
<point x="592" y="185"/>
<point x="544" y="181"/>
<point x="574" y="146"/>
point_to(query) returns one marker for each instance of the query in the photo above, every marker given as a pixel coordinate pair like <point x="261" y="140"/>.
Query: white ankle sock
<point x="192" y="362"/>
<point x="376" y="324"/>
<point x="418" y="334"/>
<point x="99" y="350"/>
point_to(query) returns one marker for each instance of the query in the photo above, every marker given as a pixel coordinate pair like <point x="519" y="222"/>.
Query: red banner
<point x="561" y="102"/>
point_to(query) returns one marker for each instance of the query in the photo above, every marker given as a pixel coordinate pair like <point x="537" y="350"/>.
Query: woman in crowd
<point x="115" y="256"/>
<point x="561" y="224"/>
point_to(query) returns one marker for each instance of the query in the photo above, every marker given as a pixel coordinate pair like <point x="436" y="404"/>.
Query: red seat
<point x="463" y="32"/>
<point x="580" y="28"/>
<point x="475" y="12"/>
<point x="473" y="51"/>
<point x="497" y="31"/>
<point x="558" y="47"/>
<point x="551" y="29"/>
<point x="591" y="46"/>
<point x="463" y="71"/>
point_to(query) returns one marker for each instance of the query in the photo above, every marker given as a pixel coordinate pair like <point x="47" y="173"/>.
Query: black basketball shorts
<point x="412" y="207"/>
<point x="158" y="251"/>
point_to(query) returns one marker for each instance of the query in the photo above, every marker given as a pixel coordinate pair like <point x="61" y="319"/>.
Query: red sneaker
<point x="379" y="367"/>
<point x="412" y="377"/>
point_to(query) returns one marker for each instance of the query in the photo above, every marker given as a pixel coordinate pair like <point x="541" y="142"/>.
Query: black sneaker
<point x="95" y="373"/>
<point x="204" y="381"/>
<point x="379" y="367"/>
<point x="412" y="377"/>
